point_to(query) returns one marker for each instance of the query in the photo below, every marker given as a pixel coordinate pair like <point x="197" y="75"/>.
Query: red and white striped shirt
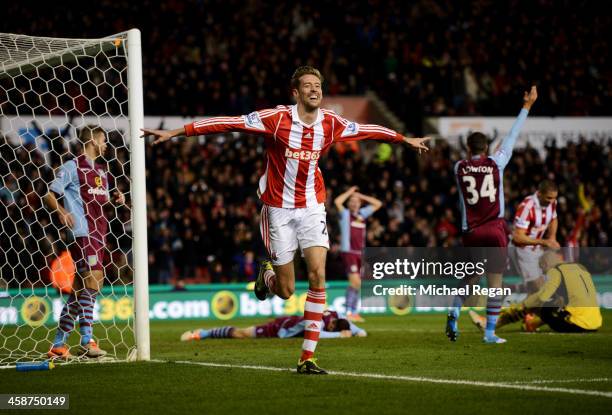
<point x="292" y="178"/>
<point x="533" y="217"/>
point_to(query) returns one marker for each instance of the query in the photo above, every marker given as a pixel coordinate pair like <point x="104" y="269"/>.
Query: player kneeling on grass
<point x="334" y="326"/>
<point x="567" y="301"/>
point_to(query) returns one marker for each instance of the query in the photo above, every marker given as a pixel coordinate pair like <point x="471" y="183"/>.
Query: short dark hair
<point x="304" y="70"/>
<point x="342" y="324"/>
<point x="546" y="186"/>
<point x="87" y="133"/>
<point x="477" y="143"/>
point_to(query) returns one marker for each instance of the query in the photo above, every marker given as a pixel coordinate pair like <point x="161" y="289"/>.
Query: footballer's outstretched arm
<point x="503" y="154"/>
<point x="162" y="135"/>
<point x="351" y="131"/>
<point x="260" y="122"/>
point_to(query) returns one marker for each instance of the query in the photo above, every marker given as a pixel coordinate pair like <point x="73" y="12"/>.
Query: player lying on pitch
<point x="567" y="301"/>
<point x="334" y="326"/>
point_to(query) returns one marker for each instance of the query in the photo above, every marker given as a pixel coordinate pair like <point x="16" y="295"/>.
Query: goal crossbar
<point x="64" y="50"/>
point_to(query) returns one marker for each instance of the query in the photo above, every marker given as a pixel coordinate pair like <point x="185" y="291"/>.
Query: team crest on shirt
<point x="98" y="181"/>
<point x="253" y="121"/>
<point x="350" y="129"/>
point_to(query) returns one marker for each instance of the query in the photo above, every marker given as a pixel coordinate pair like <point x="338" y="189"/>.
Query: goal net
<point x="50" y="90"/>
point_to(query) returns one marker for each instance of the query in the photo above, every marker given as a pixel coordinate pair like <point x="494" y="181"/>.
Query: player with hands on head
<point x="352" y="223"/>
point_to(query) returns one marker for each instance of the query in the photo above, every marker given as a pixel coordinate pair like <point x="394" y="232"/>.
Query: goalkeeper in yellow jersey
<point x="567" y="301"/>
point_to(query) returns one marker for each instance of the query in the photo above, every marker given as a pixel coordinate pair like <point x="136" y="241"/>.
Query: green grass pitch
<point x="413" y="346"/>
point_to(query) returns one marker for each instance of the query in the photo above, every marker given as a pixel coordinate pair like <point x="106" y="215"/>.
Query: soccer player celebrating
<point x="85" y="187"/>
<point x="333" y="327"/>
<point x="535" y="226"/>
<point x="481" y="196"/>
<point x="352" y="241"/>
<point x="567" y="301"/>
<point x="292" y="189"/>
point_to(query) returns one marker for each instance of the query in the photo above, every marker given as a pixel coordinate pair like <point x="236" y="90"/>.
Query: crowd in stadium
<point x="203" y="211"/>
<point x="434" y="57"/>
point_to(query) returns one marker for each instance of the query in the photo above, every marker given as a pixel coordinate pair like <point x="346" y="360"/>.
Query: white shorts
<point x="284" y="230"/>
<point x="527" y="262"/>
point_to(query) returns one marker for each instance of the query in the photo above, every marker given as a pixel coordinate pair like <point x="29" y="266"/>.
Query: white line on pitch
<point x="413" y="379"/>
<point x="561" y="381"/>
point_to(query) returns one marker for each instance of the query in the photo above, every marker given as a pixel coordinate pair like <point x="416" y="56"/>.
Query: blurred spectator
<point x="245" y="267"/>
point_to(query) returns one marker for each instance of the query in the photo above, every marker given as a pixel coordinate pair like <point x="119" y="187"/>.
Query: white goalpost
<point x="50" y="88"/>
<point x="139" y="215"/>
